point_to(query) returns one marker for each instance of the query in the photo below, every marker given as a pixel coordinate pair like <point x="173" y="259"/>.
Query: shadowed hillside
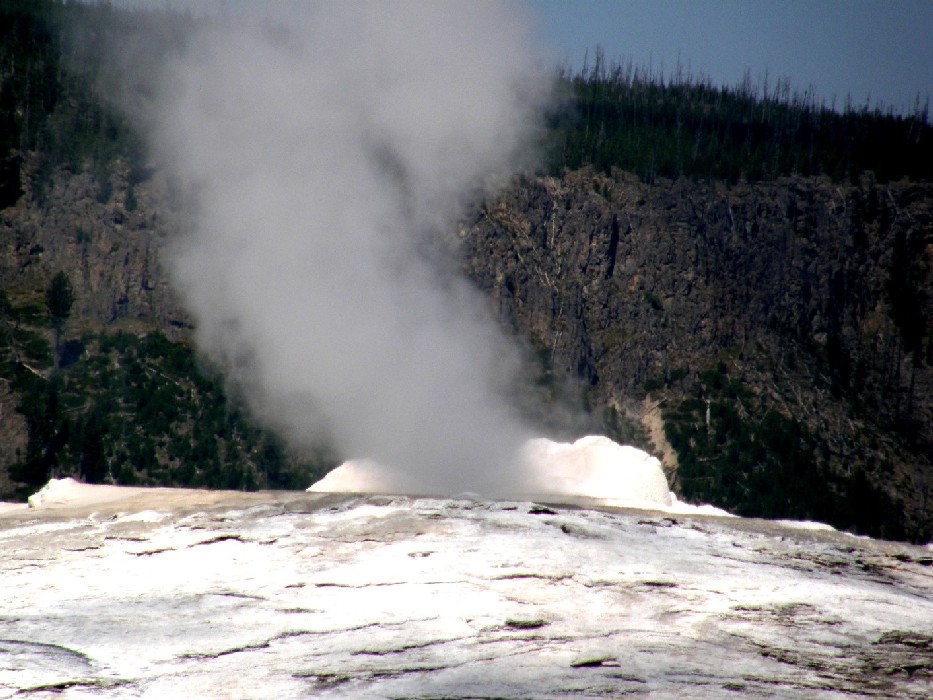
<point x="739" y="277"/>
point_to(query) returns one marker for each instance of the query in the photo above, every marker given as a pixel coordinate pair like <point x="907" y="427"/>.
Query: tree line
<point x="116" y="407"/>
<point x="612" y="115"/>
<point x="624" y="116"/>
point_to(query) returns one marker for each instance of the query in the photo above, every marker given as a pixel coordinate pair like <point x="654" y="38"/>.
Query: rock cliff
<point x="799" y="298"/>
<point x="105" y="236"/>
<point x="768" y="335"/>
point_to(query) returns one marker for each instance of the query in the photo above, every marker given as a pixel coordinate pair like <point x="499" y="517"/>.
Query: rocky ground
<point x="171" y="593"/>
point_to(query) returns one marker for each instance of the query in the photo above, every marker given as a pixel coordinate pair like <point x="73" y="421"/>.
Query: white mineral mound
<point x="356" y="476"/>
<point x="594" y="468"/>
<point x="59" y="492"/>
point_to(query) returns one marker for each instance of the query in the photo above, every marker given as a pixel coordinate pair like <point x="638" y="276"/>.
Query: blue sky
<point x="882" y="49"/>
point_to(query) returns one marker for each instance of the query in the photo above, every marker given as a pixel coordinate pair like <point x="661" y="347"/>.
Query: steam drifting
<point x="326" y="158"/>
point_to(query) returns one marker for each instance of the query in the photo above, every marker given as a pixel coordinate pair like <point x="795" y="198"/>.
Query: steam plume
<point x="327" y="158"/>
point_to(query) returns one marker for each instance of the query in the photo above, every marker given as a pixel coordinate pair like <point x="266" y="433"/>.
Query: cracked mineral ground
<point x="185" y="594"/>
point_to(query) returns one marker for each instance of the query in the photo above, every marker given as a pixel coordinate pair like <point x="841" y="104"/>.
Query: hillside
<point x="739" y="279"/>
<point x="760" y="321"/>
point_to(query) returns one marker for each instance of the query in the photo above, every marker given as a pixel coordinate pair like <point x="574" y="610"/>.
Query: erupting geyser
<point x="326" y="157"/>
<point x="596" y="467"/>
<point x="592" y="468"/>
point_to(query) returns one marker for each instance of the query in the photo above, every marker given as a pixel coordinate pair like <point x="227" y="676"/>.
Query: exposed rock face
<point x="815" y="297"/>
<point x="624" y="281"/>
<point x="800" y="289"/>
<point x="108" y="246"/>
<point x="108" y="243"/>
<point x="172" y="593"/>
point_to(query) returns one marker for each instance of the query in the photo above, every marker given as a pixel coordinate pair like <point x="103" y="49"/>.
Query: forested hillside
<point x="738" y="278"/>
<point x="105" y="387"/>
<point x="623" y="116"/>
<point x="765" y="323"/>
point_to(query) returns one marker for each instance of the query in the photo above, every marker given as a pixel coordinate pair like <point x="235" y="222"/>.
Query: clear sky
<point x="877" y="49"/>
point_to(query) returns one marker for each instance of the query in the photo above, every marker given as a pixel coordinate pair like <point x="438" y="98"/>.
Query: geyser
<point x="325" y="159"/>
<point x="592" y="470"/>
<point x="593" y="467"/>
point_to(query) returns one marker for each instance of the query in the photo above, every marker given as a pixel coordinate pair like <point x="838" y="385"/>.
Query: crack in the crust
<point x="659" y="522"/>
<point x="398" y="672"/>
<point x="218" y="538"/>
<point x="234" y="594"/>
<point x="555" y="578"/>
<point x="291" y="634"/>
<point x="854" y="669"/>
<point x="406" y="647"/>
<point x="907" y="638"/>
<point x="323" y="679"/>
<point x="150" y="552"/>
<point x="824" y="684"/>
<point x="18" y="645"/>
<point x="211" y="540"/>
<point x="265" y="644"/>
<point x="653" y="583"/>
<point x="328" y="680"/>
<point x="376" y="584"/>
<point x="427" y="668"/>
<point x="822" y="563"/>
<point x="907" y="559"/>
<point x="98" y="684"/>
<point x="786" y="615"/>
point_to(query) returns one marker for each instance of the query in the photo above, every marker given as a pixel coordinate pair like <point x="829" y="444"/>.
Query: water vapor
<point x="327" y="157"/>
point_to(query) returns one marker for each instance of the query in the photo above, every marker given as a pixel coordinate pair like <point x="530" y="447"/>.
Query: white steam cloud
<point x="327" y="158"/>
